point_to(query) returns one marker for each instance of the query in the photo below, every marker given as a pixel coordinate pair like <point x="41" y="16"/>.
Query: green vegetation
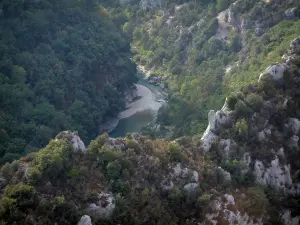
<point x="63" y="65"/>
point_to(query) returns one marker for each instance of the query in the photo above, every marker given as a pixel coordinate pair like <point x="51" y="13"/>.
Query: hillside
<point x="244" y="170"/>
<point x="63" y="65"/>
<point x="203" y="50"/>
<point x="232" y="73"/>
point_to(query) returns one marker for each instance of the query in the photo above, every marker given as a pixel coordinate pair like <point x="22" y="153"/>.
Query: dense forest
<point x="63" y="65"/>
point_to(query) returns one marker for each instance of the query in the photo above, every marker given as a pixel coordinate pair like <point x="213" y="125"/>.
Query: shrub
<point x="255" y="101"/>
<point x="97" y="144"/>
<point x="255" y="203"/>
<point x="22" y="194"/>
<point x="231" y="100"/>
<point x="242" y="110"/>
<point x="113" y="169"/>
<point x="34" y="175"/>
<point x="174" y="152"/>
<point x="241" y="127"/>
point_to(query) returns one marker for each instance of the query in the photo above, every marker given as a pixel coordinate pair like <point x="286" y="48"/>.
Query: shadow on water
<point x="151" y="101"/>
<point x="134" y="123"/>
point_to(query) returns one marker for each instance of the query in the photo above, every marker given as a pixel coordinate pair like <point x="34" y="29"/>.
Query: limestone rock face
<point x="74" y="139"/>
<point x="85" y="220"/>
<point x="275" y="71"/>
<point x="295" y="46"/>
<point x="224" y="208"/>
<point x="227" y="146"/>
<point x="287" y="218"/>
<point x="292" y="142"/>
<point x="217" y="121"/>
<point x="105" y="206"/>
<point x="276" y="175"/>
<point x="291" y="126"/>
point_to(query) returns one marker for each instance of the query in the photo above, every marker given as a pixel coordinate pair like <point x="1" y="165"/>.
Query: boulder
<point x="190" y="187"/>
<point x="74" y="139"/>
<point x="275" y="72"/>
<point x="291" y="126"/>
<point x="287" y="218"/>
<point x="185" y="173"/>
<point x="292" y="142"/>
<point x="85" y="220"/>
<point x="227" y="146"/>
<point x="295" y="46"/>
<point x="104" y="207"/>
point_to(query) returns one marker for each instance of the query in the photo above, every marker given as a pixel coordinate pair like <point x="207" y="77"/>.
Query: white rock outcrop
<point x="292" y="142"/>
<point x="190" y="187"/>
<point x="74" y="139"/>
<point x="287" y="218"/>
<point x="185" y="173"/>
<point x="276" y="175"/>
<point x="217" y="121"/>
<point x="295" y="46"/>
<point x="276" y="72"/>
<point x="105" y="206"/>
<point x="227" y="146"/>
<point x="292" y="126"/>
<point x="85" y="220"/>
<point x="232" y="217"/>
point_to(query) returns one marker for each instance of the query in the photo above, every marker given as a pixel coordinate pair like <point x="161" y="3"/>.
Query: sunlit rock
<point x="74" y="139"/>
<point x="105" y="206"/>
<point x="275" y="72"/>
<point x="295" y="46"/>
<point x="85" y="220"/>
<point x="291" y="126"/>
<point x="287" y="218"/>
<point x="276" y="175"/>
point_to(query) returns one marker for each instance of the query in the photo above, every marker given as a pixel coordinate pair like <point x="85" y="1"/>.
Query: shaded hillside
<point x="63" y="65"/>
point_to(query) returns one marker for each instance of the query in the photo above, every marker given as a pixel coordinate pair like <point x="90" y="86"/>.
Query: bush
<point x="242" y="110"/>
<point x="255" y="203"/>
<point x="113" y="169"/>
<point x="97" y="144"/>
<point x="241" y="127"/>
<point x="174" y="152"/>
<point x="22" y="194"/>
<point x="231" y="100"/>
<point x="255" y="101"/>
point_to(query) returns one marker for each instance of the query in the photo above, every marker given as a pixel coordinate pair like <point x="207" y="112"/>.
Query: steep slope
<point x="63" y="65"/>
<point x="245" y="170"/>
<point x="203" y="50"/>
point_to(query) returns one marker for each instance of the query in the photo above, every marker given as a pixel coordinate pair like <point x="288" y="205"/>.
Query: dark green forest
<point x="63" y="65"/>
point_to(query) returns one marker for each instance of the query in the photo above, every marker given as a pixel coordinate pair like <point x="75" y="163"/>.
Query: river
<point x="140" y="112"/>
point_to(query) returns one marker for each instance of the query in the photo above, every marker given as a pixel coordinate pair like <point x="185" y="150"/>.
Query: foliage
<point x="242" y="110"/>
<point x="67" y="74"/>
<point x="256" y="202"/>
<point x="174" y="151"/>
<point x="241" y="127"/>
<point x="255" y="101"/>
